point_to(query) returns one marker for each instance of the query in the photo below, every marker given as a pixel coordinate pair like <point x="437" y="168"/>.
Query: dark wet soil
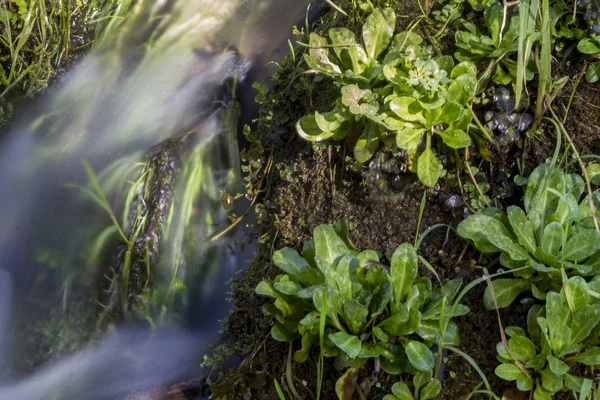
<point x="308" y="186"/>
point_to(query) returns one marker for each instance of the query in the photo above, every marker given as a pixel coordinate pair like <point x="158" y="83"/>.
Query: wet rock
<point x="504" y="120"/>
<point x="453" y="202"/>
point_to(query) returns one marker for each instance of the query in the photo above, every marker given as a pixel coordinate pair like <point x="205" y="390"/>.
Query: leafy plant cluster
<point x="553" y="237"/>
<point x="552" y="247"/>
<point x="393" y="90"/>
<point x="356" y="309"/>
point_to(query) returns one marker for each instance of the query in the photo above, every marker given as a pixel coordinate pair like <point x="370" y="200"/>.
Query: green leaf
<point x="308" y="129"/>
<point x="581" y="245"/>
<point x="538" y="199"/>
<point x="592" y="73"/>
<point x="524" y="384"/>
<point x="506" y="291"/>
<point x="395" y="324"/>
<point x="588" y="357"/>
<point x="401" y="391"/>
<point x="455" y="138"/>
<point x="537" y="363"/>
<point x="328" y="247"/>
<point x="478" y="227"/>
<point x="550" y="381"/>
<point x="318" y="56"/>
<point x="576" y="293"/>
<point x="377" y="31"/>
<point x="419" y="356"/>
<point x="359" y="101"/>
<point x="430" y="331"/>
<point x="557" y="367"/>
<point x="522" y="228"/>
<point x="584" y="321"/>
<point x="431" y="390"/>
<point x="367" y="143"/>
<point x="403" y="271"/>
<point x="532" y="326"/>
<point x="552" y="238"/>
<point x="332" y="120"/>
<point x="557" y="311"/>
<point x="561" y="338"/>
<point x="380" y="334"/>
<point x="588" y="46"/>
<point x="428" y="168"/>
<point x="280" y="333"/>
<point x="406" y="108"/>
<point x="399" y="43"/>
<point x="576" y="383"/>
<point x="292" y="263"/>
<point x="347" y="50"/>
<point x="349" y="344"/>
<point x="421" y="379"/>
<point x="522" y="348"/>
<point x="508" y="372"/>
<point x="409" y="138"/>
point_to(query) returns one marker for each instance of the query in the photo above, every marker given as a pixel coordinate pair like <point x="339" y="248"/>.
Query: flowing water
<point x="109" y="193"/>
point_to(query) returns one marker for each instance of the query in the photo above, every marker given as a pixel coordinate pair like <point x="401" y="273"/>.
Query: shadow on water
<point x="91" y="260"/>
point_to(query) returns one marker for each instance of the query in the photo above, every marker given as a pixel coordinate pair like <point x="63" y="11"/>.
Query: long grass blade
<point x="545" y="72"/>
<point x="527" y="22"/>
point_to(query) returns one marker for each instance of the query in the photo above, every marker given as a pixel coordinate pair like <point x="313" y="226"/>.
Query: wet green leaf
<point x="506" y="291"/>
<point x="378" y="30"/>
<point x="522" y="228"/>
<point x="581" y="245"/>
<point x="588" y="357"/>
<point x="431" y="390"/>
<point x="367" y="143"/>
<point x="508" y="372"/>
<point x="522" y="348"/>
<point x="584" y="321"/>
<point x="550" y="382"/>
<point x="292" y="263"/>
<point x="588" y="46"/>
<point x="419" y="356"/>
<point x="428" y="168"/>
<point x="409" y="138"/>
<point x="403" y="271"/>
<point x="557" y="367"/>
<point x="401" y="391"/>
<point x="455" y="138"/>
<point x="552" y="238"/>
<point x="349" y="344"/>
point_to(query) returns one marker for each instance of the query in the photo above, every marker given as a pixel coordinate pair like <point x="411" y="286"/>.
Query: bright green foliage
<point x="393" y="90"/>
<point x="564" y="331"/>
<point x="373" y="310"/>
<point x="475" y="46"/>
<point x="591" y="45"/>
<point x="424" y="387"/>
<point x="553" y="235"/>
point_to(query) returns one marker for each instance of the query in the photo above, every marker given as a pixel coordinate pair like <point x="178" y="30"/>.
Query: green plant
<point x="423" y="388"/>
<point x="562" y="332"/>
<point x="475" y="46"/>
<point x="373" y="311"/>
<point x="400" y="99"/>
<point x="554" y="235"/>
<point x="591" y="46"/>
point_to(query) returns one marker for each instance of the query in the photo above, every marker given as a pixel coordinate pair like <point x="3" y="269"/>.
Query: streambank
<point x="301" y="185"/>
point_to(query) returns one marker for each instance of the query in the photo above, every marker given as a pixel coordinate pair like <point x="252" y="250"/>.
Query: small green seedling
<point x="564" y="331"/>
